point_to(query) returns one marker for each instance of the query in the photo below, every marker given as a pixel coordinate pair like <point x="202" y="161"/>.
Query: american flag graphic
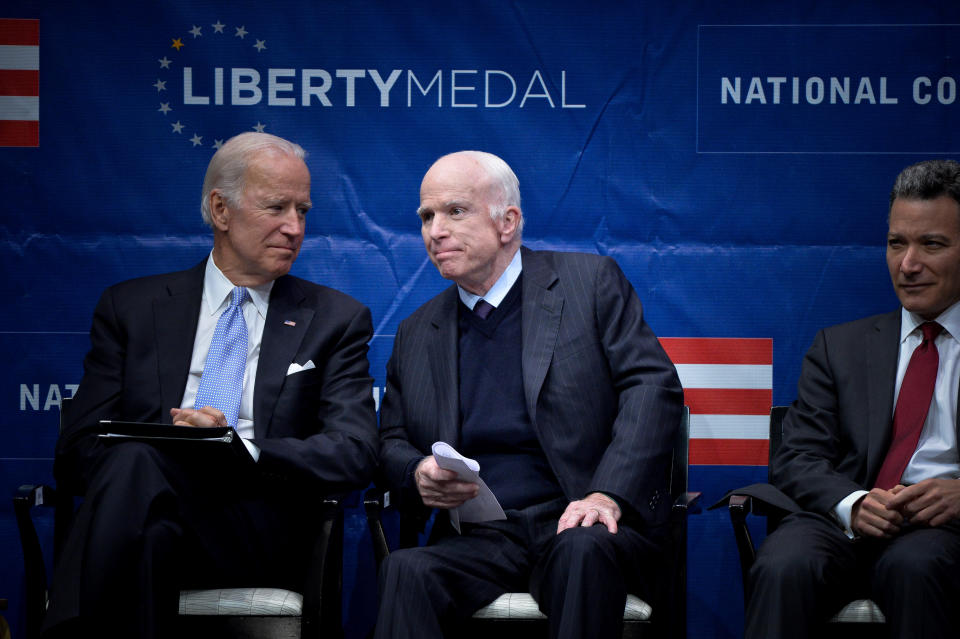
<point x="19" y="82"/>
<point x="728" y="385"/>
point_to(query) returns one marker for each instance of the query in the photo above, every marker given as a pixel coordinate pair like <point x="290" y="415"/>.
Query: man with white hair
<point x="234" y="341"/>
<point x="540" y="366"/>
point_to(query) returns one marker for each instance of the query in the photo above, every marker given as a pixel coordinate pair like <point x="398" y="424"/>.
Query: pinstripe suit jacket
<point x="602" y="395"/>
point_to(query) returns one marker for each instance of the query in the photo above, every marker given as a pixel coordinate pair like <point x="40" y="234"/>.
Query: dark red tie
<point x="483" y="308"/>
<point x="916" y="392"/>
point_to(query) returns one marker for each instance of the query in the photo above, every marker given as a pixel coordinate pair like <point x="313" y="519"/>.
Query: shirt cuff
<point x="843" y="511"/>
<point x="252" y="448"/>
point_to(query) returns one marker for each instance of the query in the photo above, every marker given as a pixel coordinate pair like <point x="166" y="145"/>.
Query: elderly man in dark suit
<point x="540" y="366"/>
<point x="234" y="341"/>
<point x="869" y="448"/>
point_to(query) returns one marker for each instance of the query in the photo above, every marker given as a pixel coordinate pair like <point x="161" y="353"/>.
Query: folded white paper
<point x="483" y="507"/>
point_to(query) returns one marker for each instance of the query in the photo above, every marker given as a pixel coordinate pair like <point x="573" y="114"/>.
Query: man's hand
<point x="206" y="417"/>
<point x="932" y="501"/>
<point x="872" y="516"/>
<point x="594" y="508"/>
<point x="439" y="487"/>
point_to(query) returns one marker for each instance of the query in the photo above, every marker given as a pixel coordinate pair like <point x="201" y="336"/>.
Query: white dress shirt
<point x="216" y="298"/>
<point x="936" y="455"/>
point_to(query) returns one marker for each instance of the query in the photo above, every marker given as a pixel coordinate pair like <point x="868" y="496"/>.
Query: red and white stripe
<point x="728" y="385"/>
<point x="19" y="82"/>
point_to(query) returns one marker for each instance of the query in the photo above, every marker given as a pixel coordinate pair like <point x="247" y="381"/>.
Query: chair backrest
<point x="680" y="458"/>
<point x="777" y="413"/>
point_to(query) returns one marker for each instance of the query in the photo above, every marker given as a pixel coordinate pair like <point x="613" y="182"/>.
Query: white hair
<point x="227" y="167"/>
<point x="503" y="181"/>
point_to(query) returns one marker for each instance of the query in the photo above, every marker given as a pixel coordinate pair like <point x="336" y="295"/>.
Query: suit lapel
<point x="283" y="331"/>
<point x="443" y="352"/>
<point x="175" y="319"/>
<point x="540" y="316"/>
<point x="883" y="348"/>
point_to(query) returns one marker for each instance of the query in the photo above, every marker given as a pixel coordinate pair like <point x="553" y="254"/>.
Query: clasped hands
<point x="206" y="417"/>
<point x="882" y="513"/>
<point x="440" y="488"/>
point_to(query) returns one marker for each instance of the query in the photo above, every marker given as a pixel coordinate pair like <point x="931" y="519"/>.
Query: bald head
<point x="469" y="222"/>
<point x="487" y="172"/>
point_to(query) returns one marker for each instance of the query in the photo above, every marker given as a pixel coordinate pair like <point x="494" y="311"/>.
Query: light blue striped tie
<point x="221" y="384"/>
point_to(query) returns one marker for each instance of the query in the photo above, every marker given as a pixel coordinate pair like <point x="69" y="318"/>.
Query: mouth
<point x="441" y="254"/>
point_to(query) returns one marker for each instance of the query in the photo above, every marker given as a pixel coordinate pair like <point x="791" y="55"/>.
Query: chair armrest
<point x="688" y="503"/>
<point x="322" y="599"/>
<point x="374" y="501"/>
<point x="25" y="499"/>
<point x="738" y="507"/>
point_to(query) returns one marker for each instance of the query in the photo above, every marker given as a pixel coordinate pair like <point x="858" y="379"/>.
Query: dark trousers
<point x="580" y="578"/>
<point x="808" y="569"/>
<point x="151" y="524"/>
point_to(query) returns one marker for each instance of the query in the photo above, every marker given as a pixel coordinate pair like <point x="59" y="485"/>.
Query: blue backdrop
<point x="735" y="158"/>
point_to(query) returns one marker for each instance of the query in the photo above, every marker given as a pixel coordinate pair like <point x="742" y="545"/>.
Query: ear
<point x="509" y="223"/>
<point x="219" y="213"/>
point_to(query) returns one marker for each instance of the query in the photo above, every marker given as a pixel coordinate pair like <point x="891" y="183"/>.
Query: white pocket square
<point x="299" y="368"/>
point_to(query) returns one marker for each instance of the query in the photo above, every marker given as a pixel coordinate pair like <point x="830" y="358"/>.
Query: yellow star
<point x="176" y="44"/>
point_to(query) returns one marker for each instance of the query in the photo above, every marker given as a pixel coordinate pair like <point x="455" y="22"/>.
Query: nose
<point x="294" y="223"/>
<point x="438" y="227"/>
<point x="911" y="264"/>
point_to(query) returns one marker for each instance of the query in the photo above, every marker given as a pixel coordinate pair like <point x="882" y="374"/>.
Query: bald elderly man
<point x="540" y="366"/>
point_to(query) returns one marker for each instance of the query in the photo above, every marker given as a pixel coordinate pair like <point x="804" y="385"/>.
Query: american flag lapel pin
<point x="289" y="323"/>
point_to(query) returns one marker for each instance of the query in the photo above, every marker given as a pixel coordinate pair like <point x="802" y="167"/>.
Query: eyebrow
<point x="925" y="236"/>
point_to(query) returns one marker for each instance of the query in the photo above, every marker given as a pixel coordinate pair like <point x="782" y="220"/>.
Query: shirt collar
<point x="499" y="289"/>
<point x="217" y="289"/>
<point x="949" y="320"/>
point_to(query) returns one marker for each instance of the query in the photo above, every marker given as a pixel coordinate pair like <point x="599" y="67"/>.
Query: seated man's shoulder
<point x="574" y="261"/>
<point x="320" y="295"/>
<point x="441" y="303"/>
<point x="862" y="326"/>
<point x="158" y="284"/>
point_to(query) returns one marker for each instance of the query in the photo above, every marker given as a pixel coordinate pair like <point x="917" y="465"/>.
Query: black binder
<point x="219" y="444"/>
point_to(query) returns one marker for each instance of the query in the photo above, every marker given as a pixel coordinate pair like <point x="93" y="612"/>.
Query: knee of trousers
<point x="131" y="481"/>
<point x="910" y="566"/>
<point x="405" y="566"/>
<point x="589" y="545"/>
<point x="127" y="461"/>
<point x="780" y="567"/>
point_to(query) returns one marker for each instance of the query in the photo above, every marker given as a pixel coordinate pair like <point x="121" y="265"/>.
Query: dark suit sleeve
<point x="635" y="464"/>
<point x="397" y="454"/>
<point x="326" y="429"/>
<point x="817" y="459"/>
<point x="101" y="393"/>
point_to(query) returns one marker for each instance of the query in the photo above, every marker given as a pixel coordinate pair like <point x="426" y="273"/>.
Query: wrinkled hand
<point x="594" y="508"/>
<point x="439" y="487"/>
<point x="872" y="516"/>
<point x="206" y="417"/>
<point x="932" y="501"/>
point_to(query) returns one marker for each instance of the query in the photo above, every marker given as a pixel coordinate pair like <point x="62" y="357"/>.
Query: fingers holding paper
<point x="440" y="488"/>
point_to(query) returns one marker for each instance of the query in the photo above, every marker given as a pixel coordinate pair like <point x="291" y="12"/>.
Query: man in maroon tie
<point x="869" y="449"/>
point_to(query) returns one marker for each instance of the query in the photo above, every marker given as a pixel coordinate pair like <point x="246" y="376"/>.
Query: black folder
<point x="219" y="444"/>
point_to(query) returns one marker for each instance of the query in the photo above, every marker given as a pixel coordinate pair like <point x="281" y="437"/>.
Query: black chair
<point x="238" y="613"/>
<point x="859" y="615"/>
<point x="517" y="614"/>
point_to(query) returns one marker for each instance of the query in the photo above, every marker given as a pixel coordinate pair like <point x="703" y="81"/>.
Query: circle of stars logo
<point x="167" y="65"/>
